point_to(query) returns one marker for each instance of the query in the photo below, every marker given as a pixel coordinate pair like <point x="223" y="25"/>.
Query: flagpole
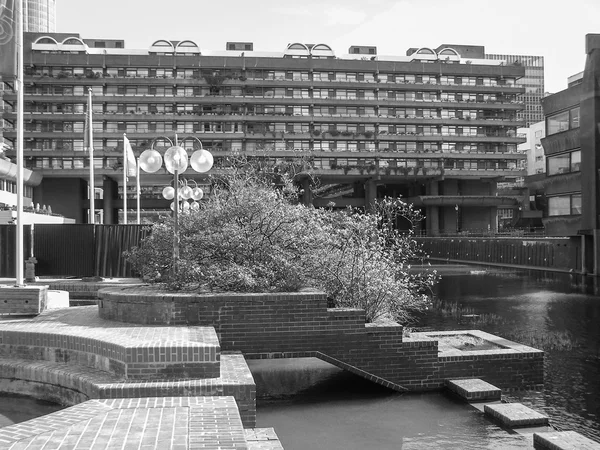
<point x="92" y="218"/>
<point x="137" y="188"/>
<point x="20" y="262"/>
<point x="124" y="180"/>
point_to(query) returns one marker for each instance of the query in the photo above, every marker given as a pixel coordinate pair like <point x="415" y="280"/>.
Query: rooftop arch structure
<point x="187" y="46"/>
<point x="297" y="50"/>
<point x="162" y="46"/>
<point x="46" y="40"/>
<point x="448" y="54"/>
<point x="425" y="54"/>
<point x="322" y="51"/>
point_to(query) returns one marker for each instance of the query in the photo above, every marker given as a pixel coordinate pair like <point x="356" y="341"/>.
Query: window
<point x="563" y="121"/>
<point x="564" y="205"/>
<point x="564" y="163"/>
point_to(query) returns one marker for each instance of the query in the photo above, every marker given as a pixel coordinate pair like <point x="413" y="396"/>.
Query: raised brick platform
<point x="300" y="324"/>
<point x="515" y="415"/>
<point x="563" y="440"/>
<point x="176" y="423"/>
<point x="474" y="390"/>
<point x="79" y="336"/>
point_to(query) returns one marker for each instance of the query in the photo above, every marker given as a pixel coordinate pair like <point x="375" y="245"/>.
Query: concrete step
<point x="515" y="415"/>
<point x="563" y="440"/>
<point x="474" y="390"/>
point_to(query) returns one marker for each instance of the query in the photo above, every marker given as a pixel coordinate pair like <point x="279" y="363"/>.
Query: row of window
<point x="290" y="144"/>
<point x="258" y="74"/>
<point x="564" y="163"/>
<point x="317" y="163"/>
<point x="269" y="92"/>
<point x="339" y="111"/>
<point x="11" y="188"/>
<point x="564" y="205"/>
<point x="563" y="121"/>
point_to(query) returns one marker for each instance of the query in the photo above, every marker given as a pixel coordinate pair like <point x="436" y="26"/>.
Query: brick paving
<point x="177" y="423"/>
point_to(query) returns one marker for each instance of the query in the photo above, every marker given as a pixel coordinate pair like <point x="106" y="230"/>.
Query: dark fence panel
<point x="8" y="240"/>
<point x="111" y="241"/>
<point x="64" y="249"/>
<point x="557" y="253"/>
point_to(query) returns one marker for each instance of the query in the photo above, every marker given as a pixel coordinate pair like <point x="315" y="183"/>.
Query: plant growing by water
<point x="253" y="235"/>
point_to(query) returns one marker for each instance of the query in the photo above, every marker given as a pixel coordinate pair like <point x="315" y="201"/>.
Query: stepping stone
<point x="515" y="415"/>
<point x="563" y="440"/>
<point x="474" y="390"/>
<point x="262" y="439"/>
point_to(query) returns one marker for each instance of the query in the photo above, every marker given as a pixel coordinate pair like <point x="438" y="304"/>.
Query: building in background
<point x="533" y="82"/>
<point x="536" y="160"/>
<point x="440" y="135"/>
<point x="39" y="16"/>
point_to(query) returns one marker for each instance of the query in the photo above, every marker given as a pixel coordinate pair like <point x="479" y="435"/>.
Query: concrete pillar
<point x="111" y="191"/>
<point x="307" y="198"/>
<point x="432" y="213"/>
<point x="370" y="195"/>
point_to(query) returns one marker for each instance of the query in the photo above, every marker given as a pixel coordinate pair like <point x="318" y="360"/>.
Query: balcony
<point x="462" y="200"/>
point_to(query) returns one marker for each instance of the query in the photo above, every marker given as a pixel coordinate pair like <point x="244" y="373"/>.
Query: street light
<point x="176" y="162"/>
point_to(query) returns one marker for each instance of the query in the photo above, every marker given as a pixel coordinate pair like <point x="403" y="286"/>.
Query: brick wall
<point x="299" y="324"/>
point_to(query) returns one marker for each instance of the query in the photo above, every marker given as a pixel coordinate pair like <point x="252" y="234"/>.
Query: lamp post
<point x="457" y="218"/>
<point x="176" y="162"/>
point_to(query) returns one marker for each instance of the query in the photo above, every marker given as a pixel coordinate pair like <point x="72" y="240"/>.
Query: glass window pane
<point x="559" y="206"/>
<point x="576" y="161"/>
<point x="558" y="164"/>
<point x="575" y="118"/>
<point x="558" y="122"/>
<point x="576" y="204"/>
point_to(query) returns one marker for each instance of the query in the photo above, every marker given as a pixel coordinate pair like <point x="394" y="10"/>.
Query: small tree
<point x="252" y="235"/>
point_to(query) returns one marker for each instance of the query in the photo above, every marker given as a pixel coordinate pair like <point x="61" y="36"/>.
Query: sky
<point x="550" y="28"/>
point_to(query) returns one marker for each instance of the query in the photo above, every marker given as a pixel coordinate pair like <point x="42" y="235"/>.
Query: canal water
<point x="335" y="410"/>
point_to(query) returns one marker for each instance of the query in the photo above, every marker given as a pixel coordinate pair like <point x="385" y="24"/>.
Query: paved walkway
<point x="176" y="423"/>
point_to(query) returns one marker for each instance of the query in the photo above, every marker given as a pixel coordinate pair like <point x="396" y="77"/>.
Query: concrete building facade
<point x="436" y="128"/>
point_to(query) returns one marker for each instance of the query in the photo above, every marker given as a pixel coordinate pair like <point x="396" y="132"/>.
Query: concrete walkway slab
<point x="474" y="390"/>
<point x="563" y="440"/>
<point x="515" y="415"/>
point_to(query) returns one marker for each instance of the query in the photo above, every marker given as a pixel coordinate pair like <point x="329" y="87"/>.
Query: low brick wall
<point x="299" y="324"/>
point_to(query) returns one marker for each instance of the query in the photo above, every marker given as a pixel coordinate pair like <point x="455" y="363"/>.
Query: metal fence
<point x="73" y="250"/>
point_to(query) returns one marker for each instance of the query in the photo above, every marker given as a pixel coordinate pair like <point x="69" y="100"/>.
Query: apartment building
<point x="434" y="127"/>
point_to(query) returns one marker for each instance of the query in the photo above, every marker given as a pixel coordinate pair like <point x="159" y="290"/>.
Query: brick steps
<point x="474" y="390"/>
<point x="167" y="422"/>
<point x="72" y="384"/>
<point x="136" y="353"/>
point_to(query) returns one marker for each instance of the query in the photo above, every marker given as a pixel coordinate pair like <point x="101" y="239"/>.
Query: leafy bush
<point x="252" y="235"/>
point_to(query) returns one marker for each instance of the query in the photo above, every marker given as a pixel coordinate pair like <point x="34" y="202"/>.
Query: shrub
<point x="252" y="235"/>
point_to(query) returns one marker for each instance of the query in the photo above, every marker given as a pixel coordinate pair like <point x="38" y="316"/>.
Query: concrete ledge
<point x="23" y="300"/>
<point x="515" y="415"/>
<point x="474" y="390"/>
<point x="563" y="440"/>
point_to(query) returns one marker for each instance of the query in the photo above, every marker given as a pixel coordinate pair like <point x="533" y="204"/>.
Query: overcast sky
<point x="551" y="28"/>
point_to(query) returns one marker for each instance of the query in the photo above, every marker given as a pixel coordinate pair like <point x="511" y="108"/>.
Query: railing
<point x="512" y="232"/>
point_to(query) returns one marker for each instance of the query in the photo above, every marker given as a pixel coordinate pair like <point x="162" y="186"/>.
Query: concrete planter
<point x="23" y="300"/>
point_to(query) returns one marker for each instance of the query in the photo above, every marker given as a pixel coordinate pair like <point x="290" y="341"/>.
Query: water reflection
<point x="557" y="312"/>
<point x="18" y="408"/>
<point x="337" y="410"/>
